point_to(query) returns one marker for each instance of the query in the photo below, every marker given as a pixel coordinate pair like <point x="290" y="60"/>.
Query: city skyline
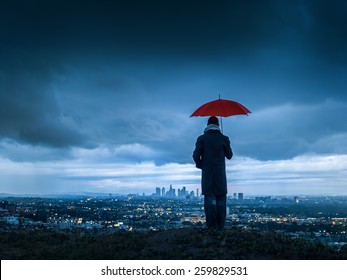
<point x="96" y="97"/>
<point x="313" y="218"/>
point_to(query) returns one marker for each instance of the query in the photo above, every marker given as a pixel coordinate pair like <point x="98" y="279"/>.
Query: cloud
<point x="306" y="174"/>
<point x="288" y="130"/>
<point x="195" y="28"/>
<point x="118" y="154"/>
<point x="303" y="175"/>
<point x="335" y="143"/>
<point x="87" y="109"/>
<point x="116" y="82"/>
<point x="29" y="112"/>
<point x="21" y="152"/>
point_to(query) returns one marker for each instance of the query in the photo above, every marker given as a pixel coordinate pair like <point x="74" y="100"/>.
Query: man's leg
<point x="221" y="211"/>
<point x="210" y="206"/>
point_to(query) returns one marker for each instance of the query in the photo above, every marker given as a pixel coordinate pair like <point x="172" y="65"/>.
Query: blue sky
<point x="96" y="95"/>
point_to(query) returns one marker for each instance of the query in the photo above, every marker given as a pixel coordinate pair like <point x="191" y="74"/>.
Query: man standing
<point x="209" y="155"/>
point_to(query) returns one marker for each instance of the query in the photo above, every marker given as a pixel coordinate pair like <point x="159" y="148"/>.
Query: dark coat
<point x="209" y="155"/>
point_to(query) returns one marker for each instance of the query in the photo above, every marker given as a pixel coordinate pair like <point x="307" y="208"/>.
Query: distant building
<point x="228" y="211"/>
<point x="184" y="190"/>
<point x="235" y="195"/>
<point x="240" y="196"/>
<point x="296" y="199"/>
<point x="263" y="199"/>
<point x="171" y="192"/>
<point x="157" y="192"/>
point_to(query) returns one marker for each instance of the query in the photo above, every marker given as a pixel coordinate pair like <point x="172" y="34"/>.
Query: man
<point x="209" y="155"/>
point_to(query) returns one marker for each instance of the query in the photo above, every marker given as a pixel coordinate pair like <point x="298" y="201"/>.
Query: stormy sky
<point x="96" y="95"/>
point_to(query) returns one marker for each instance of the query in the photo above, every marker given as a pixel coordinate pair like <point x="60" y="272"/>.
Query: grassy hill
<point x="187" y="243"/>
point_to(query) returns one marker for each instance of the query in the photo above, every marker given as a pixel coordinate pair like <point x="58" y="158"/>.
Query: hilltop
<point x="186" y="243"/>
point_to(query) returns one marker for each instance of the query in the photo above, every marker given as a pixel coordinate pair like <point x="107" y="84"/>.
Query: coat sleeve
<point x="227" y="149"/>
<point x="198" y="153"/>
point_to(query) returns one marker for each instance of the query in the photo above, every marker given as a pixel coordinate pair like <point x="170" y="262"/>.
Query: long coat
<point x="209" y="155"/>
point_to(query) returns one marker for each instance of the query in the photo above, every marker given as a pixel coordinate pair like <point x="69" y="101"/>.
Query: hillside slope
<point x="187" y="243"/>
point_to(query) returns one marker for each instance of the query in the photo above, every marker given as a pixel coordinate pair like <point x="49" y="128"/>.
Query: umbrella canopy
<point x="221" y="108"/>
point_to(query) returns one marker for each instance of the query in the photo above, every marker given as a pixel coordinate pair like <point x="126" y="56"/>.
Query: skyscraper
<point x="171" y="192"/>
<point x="183" y="191"/>
<point x="157" y="192"/>
<point x="240" y="195"/>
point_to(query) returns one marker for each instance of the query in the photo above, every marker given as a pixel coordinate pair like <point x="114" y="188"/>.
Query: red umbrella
<point x="221" y="108"/>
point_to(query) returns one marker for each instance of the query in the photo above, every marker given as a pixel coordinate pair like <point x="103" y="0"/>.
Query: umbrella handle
<point x="221" y="120"/>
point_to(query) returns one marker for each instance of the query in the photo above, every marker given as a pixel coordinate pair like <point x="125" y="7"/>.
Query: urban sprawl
<point x="316" y="218"/>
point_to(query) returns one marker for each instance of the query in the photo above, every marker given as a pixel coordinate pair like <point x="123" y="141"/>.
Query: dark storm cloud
<point x="200" y="28"/>
<point x="131" y="24"/>
<point x="117" y="109"/>
<point x="29" y="111"/>
<point x="284" y="132"/>
<point x="104" y="89"/>
<point x="87" y="74"/>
